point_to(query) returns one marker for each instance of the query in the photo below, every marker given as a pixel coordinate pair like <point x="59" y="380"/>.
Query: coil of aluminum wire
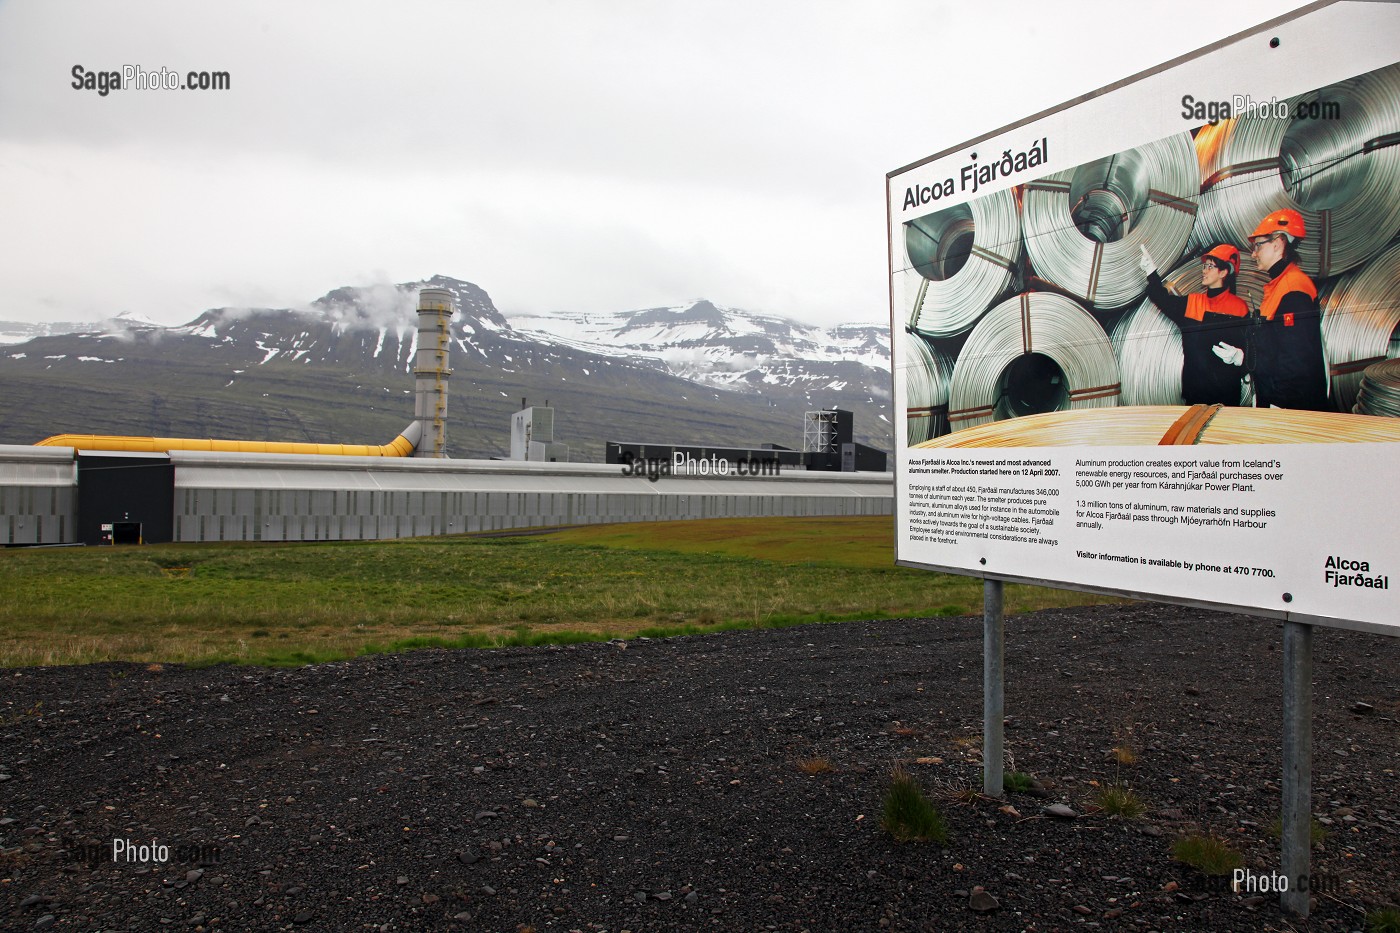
<point x="1380" y="390"/>
<point x="966" y="256"/>
<point x="926" y="375"/>
<point x="1148" y="347"/>
<point x="1084" y="226"/>
<point x="1148" y="344"/>
<point x="1339" y="169"/>
<point x="1035" y="352"/>
<point x="1361" y="323"/>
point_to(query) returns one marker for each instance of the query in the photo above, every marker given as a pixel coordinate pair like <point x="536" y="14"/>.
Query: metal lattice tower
<point x="819" y="432"/>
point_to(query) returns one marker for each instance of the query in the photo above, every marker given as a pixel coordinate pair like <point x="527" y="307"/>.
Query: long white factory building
<point x="197" y="496"/>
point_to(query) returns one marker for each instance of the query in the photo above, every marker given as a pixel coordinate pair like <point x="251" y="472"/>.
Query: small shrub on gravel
<point x="1118" y="799"/>
<point x="968" y="795"/>
<point x="909" y="815"/>
<point x="818" y="765"/>
<point x="1208" y="854"/>
<point x="1383" y="921"/>
<point x="955" y="791"/>
<point x="1017" y="782"/>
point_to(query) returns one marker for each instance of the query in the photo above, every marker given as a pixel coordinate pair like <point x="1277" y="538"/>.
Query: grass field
<point x="300" y="603"/>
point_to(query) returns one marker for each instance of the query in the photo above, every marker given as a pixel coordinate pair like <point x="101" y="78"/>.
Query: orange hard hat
<point x="1284" y="221"/>
<point x="1226" y="254"/>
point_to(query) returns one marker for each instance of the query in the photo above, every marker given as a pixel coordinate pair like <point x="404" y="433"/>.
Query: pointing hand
<point x="1145" y="262"/>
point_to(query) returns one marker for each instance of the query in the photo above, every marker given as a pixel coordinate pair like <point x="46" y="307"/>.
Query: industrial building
<point x="93" y="489"/>
<point x="827" y="444"/>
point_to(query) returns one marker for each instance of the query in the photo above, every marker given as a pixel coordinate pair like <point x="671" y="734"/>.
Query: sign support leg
<point x="993" y="694"/>
<point x="1297" y="764"/>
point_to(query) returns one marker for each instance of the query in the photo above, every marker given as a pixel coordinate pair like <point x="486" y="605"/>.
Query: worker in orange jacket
<point x="1212" y="326"/>
<point x="1286" y="355"/>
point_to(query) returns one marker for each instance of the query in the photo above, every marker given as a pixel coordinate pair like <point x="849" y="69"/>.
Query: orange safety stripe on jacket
<point x="1198" y="303"/>
<point x="1289" y="280"/>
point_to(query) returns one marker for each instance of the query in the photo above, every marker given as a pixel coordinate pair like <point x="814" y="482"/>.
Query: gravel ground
<point x="654" y="784"/>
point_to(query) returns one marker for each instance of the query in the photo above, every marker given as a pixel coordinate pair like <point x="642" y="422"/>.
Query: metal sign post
<point x="1297" y="764"/>
<point x="993" y="683"/>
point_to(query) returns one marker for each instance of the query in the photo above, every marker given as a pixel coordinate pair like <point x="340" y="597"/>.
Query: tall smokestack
<point x="430" y="369"/>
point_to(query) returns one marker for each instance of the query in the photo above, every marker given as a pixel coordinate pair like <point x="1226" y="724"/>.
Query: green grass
<point x="289" y="604"/>
<point x="909" y="816"/>
<point x="1209" y="855"/>
<point x="835" y="541"/>
<point x="1017" y="782"/>
<point x="1117" y="799"/>
<point x="1386" y="920"/>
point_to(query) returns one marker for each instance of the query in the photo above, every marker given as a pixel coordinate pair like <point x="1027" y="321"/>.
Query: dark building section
<point x="828" y="437"/>
<point x="828" y="444"/>
<point x="849" y="458"/>
<point x="125" y="498"/>
<point x="619" y="452"/>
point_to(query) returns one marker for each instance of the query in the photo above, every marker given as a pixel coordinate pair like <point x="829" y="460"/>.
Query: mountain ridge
<point x="698" y="372"/>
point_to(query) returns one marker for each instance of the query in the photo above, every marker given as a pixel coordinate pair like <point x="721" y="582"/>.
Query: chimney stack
<point x="430" y="369"/>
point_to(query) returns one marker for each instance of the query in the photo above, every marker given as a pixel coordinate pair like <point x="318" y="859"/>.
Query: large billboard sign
<point x="1146" y="343"/>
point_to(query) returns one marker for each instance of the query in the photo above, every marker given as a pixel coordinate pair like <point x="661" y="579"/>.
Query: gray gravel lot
<point x="655" y="784"/>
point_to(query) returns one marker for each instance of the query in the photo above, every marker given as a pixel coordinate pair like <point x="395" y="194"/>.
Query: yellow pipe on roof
<point x="401" y="446"/>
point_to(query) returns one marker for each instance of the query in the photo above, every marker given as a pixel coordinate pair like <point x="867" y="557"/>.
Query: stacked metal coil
<point x="1148" y="345"/>
<point x="1361" y="323"/>
<point x="926" y="376"/>
<point x="1034" y="352"/>
<point x="1156" y="425"/>
<point x="967" y="256"/>
<point x="1084" y="225"/>
<point x="1380" y="390"/>
<point x="1339" y="169"/>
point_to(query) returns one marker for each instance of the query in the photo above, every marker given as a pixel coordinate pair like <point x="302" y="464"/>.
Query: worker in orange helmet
<point x="1213" y="326"/>
<point x="1286" y="354"/>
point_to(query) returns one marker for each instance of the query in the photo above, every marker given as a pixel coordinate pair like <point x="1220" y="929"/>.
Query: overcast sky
<point x="565" y="156"/>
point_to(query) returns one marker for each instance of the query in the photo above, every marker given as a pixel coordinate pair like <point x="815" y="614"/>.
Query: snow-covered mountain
<point x="21" y="331"/>
<point x="375" y="326"/>
<point x="700" y="341"/>
<point x="694" y="372"/>
<point x="719" y="346"/>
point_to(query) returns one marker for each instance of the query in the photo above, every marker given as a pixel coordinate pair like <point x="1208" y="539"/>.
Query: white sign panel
<point x="1146" y="343"/>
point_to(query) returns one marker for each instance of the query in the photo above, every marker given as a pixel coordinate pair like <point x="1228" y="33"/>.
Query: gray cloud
<point x="592" y="154"/>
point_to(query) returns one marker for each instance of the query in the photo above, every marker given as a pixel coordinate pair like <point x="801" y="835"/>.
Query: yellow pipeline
<point x="401" y="446"/>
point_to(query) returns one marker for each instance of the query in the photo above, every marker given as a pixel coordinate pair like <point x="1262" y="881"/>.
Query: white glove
<point x="1145" y="262"/>
<point x="1228" y="354"/>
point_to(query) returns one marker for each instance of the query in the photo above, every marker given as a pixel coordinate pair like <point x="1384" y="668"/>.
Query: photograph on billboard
<point x="1148" y="343"/>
